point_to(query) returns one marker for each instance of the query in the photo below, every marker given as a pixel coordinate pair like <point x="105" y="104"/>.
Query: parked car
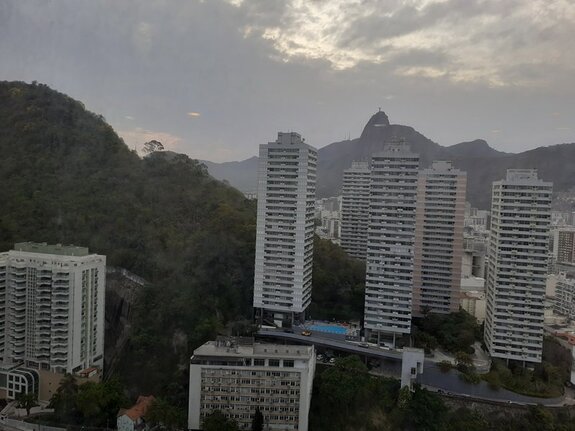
<point x="332" y="361"/>
<point x="306" y="333"/>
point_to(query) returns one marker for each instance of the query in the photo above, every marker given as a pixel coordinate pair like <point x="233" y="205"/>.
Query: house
<point x="133" y="418"/>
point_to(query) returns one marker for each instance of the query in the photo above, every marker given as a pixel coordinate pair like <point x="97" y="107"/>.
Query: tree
<point x="217" y="421"/>
<point x="27" y="401"/>
<point x="64" y="399"/>
<point x="165" y="415"/>
<point x="463" y="359"/>
<point x="153" y="146"/>
<point x="258" y="421"/>
<point x="427" y="411"/>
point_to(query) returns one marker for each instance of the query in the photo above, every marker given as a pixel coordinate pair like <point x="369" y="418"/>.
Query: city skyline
<point x="209" y="86"/>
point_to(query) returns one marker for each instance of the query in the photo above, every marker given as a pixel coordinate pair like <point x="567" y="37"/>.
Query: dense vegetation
<point x="338" y="283"/>
<point x="454" y="332"/>
<point x="68" y="178"/>
<point x="347" y="398"/>
<point x="546" y="379"/>
<point x="90" y="404"/>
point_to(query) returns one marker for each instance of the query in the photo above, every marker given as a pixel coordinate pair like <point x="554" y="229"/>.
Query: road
<point x="332" y="343"/>
<point x="452" y="383"/>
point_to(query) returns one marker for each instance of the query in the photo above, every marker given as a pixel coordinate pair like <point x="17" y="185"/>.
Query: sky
<point x="215" y="78"/>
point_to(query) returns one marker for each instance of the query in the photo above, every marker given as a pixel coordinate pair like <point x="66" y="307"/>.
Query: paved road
<point x="333" y="343"/>
<point x="432" y="377"/>
<point x="451" y="382"/>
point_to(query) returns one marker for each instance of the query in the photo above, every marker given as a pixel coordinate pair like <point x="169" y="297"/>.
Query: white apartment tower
<point x="390" y="241"/>
<point x="236" y="376"/>
<point x="52" y="307"/>
<point x="517" y="268"/>
<point x="355" y="209"/>
<point x="285" y="229"/>
<point x="440" y="214"/>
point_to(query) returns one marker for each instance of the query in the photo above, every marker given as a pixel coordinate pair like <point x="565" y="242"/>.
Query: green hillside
<point x="68" y="178"/>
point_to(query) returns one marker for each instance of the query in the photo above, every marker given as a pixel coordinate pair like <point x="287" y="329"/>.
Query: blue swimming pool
<point x="331" y="329"/>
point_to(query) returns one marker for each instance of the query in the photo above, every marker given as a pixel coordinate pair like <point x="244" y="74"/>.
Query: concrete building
<point x="473" y="297"/>
<point x="52" y="307"/>
<point x="285" y="229"/>
<point x="327" y="212"/>
<point x="390" y="241"/>
<point x="517" y="267"/>
<point x="439" y="223"/>
<point x="236" y="376"/>
<point x="411" y="366"/>
<point x="355" y="209"/>
<point x="564" y="245"/>
<point x="564" y="303"/>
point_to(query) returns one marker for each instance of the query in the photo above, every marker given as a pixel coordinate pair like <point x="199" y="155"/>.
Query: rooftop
<point x="246" y="347"/>
<point x="58" y="249"/>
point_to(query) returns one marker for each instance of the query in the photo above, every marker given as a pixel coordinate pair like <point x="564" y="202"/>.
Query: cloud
<point x="515" y="42"/>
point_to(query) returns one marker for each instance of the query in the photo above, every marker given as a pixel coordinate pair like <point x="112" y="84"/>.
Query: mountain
<point x="68" y="178"/>
<point x="482" y="163"/>
<point x="240" y="174"/>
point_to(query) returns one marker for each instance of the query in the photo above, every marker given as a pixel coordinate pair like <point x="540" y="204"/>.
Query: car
<point x="365" y="345"/>
<point x="306" y="333"/>
<point x="332" y="361"/>
<point x="320" y="357"/>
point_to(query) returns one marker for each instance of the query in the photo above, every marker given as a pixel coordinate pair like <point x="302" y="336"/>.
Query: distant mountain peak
<point x="377" y="120"/>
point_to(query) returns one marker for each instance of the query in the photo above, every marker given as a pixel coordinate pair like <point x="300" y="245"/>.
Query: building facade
<point x="52" y="307"/>
<point x="355" y="209"/>
<point x="237" y="376"/>
<point x="438" y="248"/>
<point x="517" y="267"/>
<point x="390" y="242"/>
<point x="285" y="229"/>
<point x="564" y="245"/>
<point x="564" y="303"/>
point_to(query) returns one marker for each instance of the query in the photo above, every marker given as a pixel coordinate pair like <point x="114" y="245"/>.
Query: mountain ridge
<point x="483" y="163"/>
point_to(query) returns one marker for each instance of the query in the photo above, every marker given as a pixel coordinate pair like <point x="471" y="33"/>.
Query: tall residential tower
<point x="285" y="229"/>
<point x="438" y="239"/>
<point x="390" y="241"/>
<point x="52" y="312"/>
<point x="517" y="268"/>
<point x="355" y="209"/>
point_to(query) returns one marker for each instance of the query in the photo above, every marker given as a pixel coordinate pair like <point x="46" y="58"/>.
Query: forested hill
<point x="68" y="178"/>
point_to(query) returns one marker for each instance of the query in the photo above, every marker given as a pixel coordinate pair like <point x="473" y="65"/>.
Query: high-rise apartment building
<point x="439" y="225"/>
<point x="355" y="209"/>
<point x="564" y="245"/>
<point x="237" y="376"/>
<point x="285" y="229"/>
<point x="52" y="307"/>
<point x="517" y="267"/>
<point x="390" y="241"/>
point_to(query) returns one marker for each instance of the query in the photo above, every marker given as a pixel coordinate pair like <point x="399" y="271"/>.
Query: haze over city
<point x="214" y="79"/>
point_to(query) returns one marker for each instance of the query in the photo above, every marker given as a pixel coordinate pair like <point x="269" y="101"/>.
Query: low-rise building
<point x="238" y="375"/>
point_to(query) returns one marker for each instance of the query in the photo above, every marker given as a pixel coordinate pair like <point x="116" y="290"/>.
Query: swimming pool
<point x="331" y="329"/>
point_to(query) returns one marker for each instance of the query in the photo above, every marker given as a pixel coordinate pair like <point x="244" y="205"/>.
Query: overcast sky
<point x="215" y="78"/>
